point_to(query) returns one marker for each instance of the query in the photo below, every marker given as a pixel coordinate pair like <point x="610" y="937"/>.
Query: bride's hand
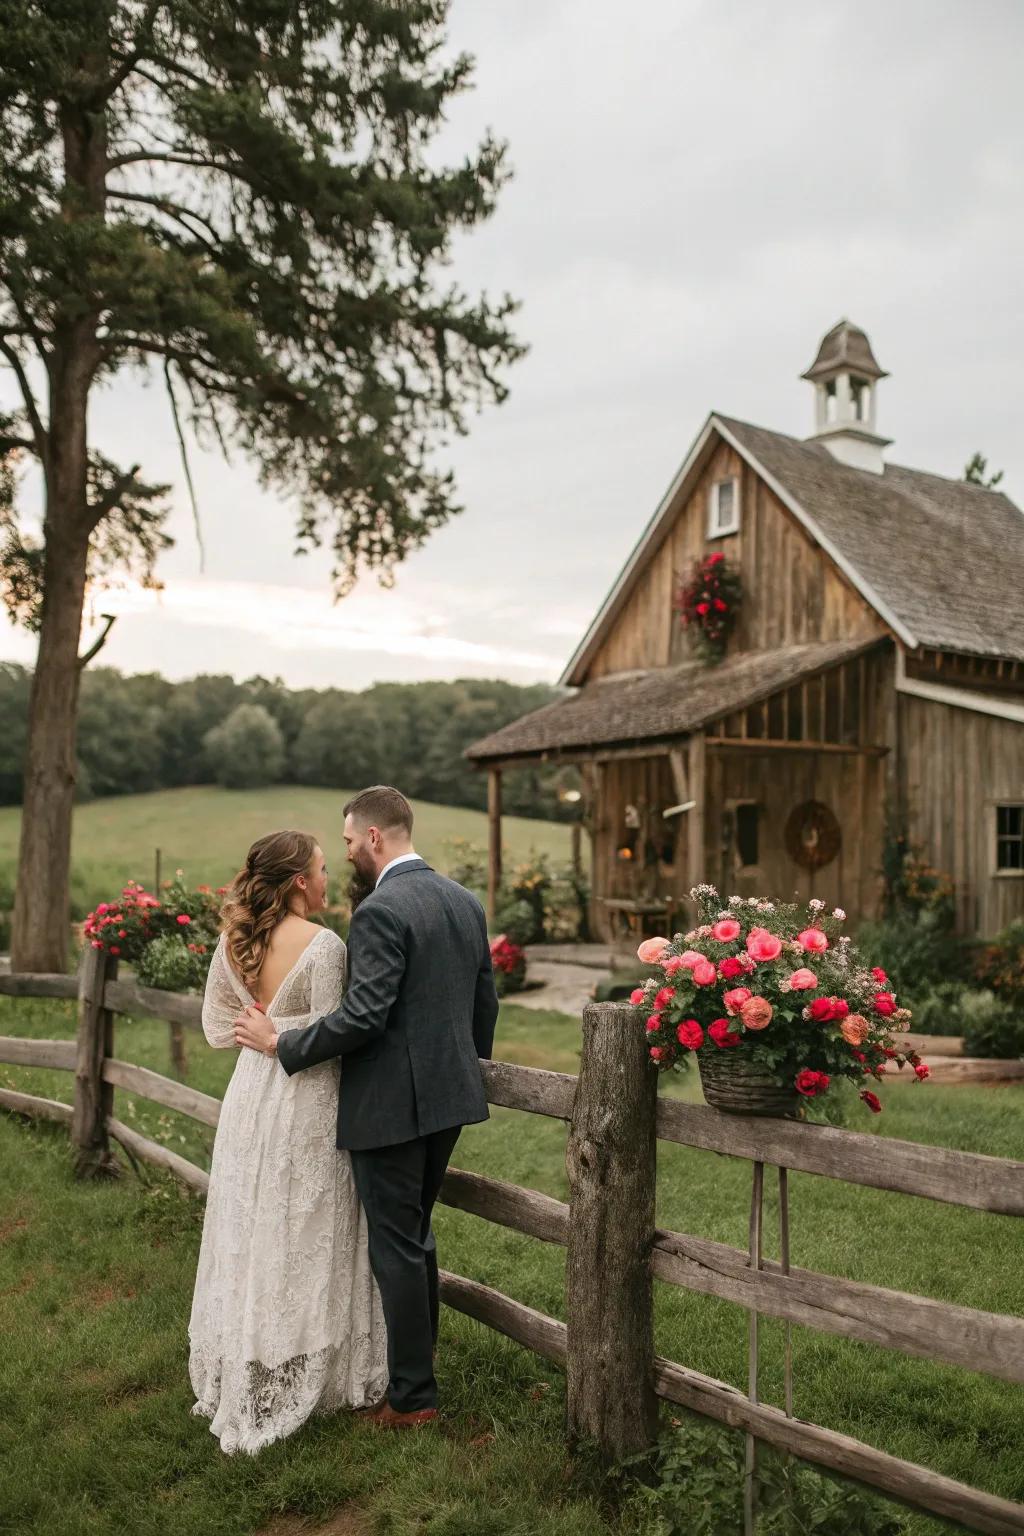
<point x="254" y="1029"/>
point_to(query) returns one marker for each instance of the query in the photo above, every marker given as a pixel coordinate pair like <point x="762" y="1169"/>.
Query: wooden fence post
<point x="94" y="1099"/>
<point x="611" y="1160"/>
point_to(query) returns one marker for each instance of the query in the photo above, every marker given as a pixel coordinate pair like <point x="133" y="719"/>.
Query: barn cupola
<point x="845" y="375"/>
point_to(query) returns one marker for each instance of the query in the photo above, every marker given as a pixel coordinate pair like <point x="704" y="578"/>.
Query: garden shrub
<point x="1001" y="964"/>
<point x="991" y="1026"/>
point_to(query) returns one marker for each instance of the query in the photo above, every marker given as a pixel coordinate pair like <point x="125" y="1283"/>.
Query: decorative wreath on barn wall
<point x="813" y="835"/>
<point x="708" y="604"/>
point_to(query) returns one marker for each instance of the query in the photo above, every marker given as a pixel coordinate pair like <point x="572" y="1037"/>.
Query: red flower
<point x="715" y="558"/>
<point x="721" y="607"/>
<point x="921" y="1071"/>
<point x="723" y="1034"/>
<point x="885" y="1003"/>
<point x="872" y="1101"/>
<point x="636" y="996"/>
<point x="660" y="1053"/>
<point x="184" y="919"/>
<point x="820" y="1009"/>
<point x="735" y="999"/>
<point x="840" y="1007"/>
<point x="731" y="967"/>
<point x="704" y="974"/>
<point x="115" y="949"/>
<point x="664" y="997"/>
<point x="690" y="1034"/>
<point x="810" y="1084"/>
<point x="703" y="609"/>
<point x="653" y="1023"/>
<point x="878" y="973"/>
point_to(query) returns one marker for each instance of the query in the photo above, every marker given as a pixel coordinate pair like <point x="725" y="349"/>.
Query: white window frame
<point x="998" y="805"/>
<point x="715" y="528"/>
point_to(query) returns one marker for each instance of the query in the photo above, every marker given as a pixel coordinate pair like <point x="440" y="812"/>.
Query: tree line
<point x="144" y="732"/>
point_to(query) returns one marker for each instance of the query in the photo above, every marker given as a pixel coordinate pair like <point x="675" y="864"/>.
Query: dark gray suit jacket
<point x="419" y="1012"/>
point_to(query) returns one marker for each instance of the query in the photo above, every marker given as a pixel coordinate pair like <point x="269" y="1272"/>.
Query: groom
<point x="419" y="1010"/>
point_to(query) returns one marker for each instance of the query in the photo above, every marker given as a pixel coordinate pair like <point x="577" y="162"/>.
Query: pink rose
<point x="691" y="957"/>
<point x="885" y="1004"/>
<point x="735" y="998"/>
<point x="636" y="997"/>
<point x="803" y="980"/>
<point x="690" y="1034"/>
<point x="657" y="1052"/>
<point x="814" y="940"/>
<point x="704" y="974"/>
<point x="723" y="1034"/>
<point x="653" y="1022"/>
<point x="762" y="945"/>
<point x="673" y="965"/>
<point x="756" y="1013"/>
<point x="651" y="950"/>
<point x="664" y="997"/>
<point x="725" y="930"/>
<point x="184" y="919"/>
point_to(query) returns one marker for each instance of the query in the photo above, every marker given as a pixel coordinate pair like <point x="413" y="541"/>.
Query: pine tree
<point x="976" y="469"/>
<point x="241" y="195"/>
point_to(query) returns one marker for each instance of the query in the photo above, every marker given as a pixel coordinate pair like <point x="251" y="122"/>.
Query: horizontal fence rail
<point x="913" y="1325"/>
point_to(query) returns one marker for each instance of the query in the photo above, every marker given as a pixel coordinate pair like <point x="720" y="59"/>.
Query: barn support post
<point x="493" y="841"/>
<point x="696" y="773"/>
<point x="611" y="1159"/>
<point x="94" y="1099"/>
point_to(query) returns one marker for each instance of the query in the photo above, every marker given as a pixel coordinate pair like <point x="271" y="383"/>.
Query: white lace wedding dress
<point x="286" y="1319"/>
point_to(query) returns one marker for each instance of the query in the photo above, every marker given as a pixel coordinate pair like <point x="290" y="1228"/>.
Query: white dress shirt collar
<point x="403" y="858"/>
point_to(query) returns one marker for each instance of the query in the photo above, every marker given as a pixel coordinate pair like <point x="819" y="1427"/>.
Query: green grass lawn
<point x="95" y="1287"/>
<point x="206" y="831"/>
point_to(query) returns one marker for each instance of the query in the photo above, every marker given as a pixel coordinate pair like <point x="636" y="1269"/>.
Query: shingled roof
<point x="941" y="561"/>
<point x="659" y="704"/>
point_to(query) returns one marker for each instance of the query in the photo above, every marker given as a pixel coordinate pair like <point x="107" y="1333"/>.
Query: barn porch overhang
<point x="682" y="713"/>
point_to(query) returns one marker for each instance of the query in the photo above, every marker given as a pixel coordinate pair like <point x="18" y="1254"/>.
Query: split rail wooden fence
<point x="614" y="1250"/>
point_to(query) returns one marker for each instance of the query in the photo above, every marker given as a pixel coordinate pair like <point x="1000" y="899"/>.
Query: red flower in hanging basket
<point x="707" y="604"/>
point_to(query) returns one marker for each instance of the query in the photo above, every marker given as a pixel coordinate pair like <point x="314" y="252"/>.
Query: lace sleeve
<point x="221" y="1002"/>
<point x="330" y="975"/>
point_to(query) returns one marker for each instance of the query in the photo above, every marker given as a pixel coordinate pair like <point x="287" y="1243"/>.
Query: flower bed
<point x="780" y="990"/>
<point x="509" y="962"/>
<point x="169" y="940"/>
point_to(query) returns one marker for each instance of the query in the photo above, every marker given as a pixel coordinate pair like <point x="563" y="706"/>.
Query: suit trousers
<point x="398" y="1187"/>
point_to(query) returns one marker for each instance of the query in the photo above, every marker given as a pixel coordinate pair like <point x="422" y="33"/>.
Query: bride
<point x="286" y="1319"/>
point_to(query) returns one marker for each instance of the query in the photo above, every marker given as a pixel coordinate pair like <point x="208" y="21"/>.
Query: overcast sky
<point x="703" y="187"/>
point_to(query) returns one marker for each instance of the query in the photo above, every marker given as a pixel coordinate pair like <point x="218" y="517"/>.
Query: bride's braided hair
<point x="257" y="899"/>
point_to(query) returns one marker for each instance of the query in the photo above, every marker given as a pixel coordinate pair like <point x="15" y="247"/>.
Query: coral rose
<point x="872" y="1101"/>
<point x="803" y="980"/>
<point x="756" y="1013"/>
<point x="854" y="1029"/>
<point x="725" y="930"/>
<point x="814" y="940"/>
<point x="664" y="997"/>
<point x="885" y="1003"/>
<point x="651" y="950"/>
<point x="723" y="1034"/>
<point x="704" y="973"/>
<point x="636" y="996"/>
<point x="810" y="1084"/>
<point x="735" y="998"/>
<point x="690" y="1034"/>
<point x="762" y="945"/>
<point x="731" y="967"/>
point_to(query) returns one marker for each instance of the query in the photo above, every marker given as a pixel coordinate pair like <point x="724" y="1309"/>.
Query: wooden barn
<point x="871" y="684"/>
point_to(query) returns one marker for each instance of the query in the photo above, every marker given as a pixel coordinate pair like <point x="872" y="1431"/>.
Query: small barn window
<point x="1010" y="839"/>
<point x="724" y="507"/>
<point x="746" y="834"/>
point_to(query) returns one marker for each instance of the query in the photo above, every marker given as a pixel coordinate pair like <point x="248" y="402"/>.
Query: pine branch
<point x="39" y="433"/>
<point x="99" y="508"/>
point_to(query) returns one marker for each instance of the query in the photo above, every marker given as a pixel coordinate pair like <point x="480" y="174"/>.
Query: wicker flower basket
<point x="736" y="1085"/>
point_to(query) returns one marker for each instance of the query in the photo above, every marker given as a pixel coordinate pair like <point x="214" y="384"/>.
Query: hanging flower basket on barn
<point x="774" y="1002"/>
<point x="708" y="604"/>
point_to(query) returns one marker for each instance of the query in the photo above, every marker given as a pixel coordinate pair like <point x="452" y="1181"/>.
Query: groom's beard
<point x="359" y="887"/>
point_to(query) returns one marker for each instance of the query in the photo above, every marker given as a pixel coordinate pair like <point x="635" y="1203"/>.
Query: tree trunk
<point x="39" y="938"/>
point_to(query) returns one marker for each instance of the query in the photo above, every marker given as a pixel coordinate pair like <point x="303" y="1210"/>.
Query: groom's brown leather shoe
<point x="386" y="1417"/>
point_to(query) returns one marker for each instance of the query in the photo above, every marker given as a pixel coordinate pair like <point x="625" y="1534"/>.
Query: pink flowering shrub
<point x="780" y="985"/>
<point x="169" y="939"/>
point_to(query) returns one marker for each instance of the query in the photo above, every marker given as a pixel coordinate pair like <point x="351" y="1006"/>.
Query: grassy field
<point x="206" y="831"/>
<point x="95" y="1286"/>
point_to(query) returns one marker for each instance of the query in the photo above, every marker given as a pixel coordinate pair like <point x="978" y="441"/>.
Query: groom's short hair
<point x="381" y="806"/>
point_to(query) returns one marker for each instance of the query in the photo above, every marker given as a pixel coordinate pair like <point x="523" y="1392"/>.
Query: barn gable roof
<point x="659" y="704"/>
<point x="920" y="549"/>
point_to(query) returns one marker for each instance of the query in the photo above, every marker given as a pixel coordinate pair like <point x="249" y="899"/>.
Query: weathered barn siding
<point x="792" y="594"/>
<point x="955" y="765"/>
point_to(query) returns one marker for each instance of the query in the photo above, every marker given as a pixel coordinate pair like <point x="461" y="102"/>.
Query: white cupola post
<point x="845" y="375"/>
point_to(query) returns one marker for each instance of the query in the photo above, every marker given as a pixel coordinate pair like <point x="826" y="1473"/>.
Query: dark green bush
<point x="991" y="1026"/>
